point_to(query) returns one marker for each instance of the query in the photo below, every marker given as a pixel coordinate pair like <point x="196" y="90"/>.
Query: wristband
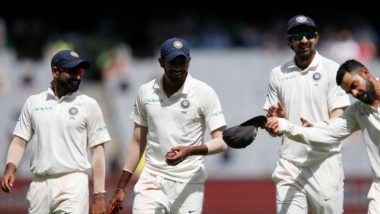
<point x="99" y="194"/>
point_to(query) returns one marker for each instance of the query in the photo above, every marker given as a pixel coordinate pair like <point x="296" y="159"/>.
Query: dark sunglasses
<point x="299" y="35"/>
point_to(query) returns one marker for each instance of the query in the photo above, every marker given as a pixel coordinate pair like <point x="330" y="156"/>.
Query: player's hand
<point x="98" y="205"/>
<point x="306" y="123"/>
<point x="272" y="126"/>
<point x="277" y="110"/>
<point x="9" y="178"/>
<point x="177" y="154"/>
<point x="116" y="201"/>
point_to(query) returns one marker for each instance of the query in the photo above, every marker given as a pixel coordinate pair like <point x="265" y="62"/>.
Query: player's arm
<point x="15" y="154"/>
<point x="336" y="131"/>
<point x="333" y="114"/>
<point x="337" y="112"/>
<point x="277" y="110"/>
<point x="213" y="146"/>
<point x="99" y="174"/>
<point x="216" y="144"/>
<point x="136" y="149"/>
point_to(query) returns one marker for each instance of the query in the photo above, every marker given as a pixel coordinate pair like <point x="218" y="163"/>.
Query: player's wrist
<point x="10" y="167"/>
<point x="198" y="150"/>
<point x="120" y="189"/>
<point x="99" y="194"/>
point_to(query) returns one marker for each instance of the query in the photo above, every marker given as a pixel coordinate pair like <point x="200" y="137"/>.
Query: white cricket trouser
<point x="374" y="198"/>
<point x="59" y="194"/>
<point x="318" y="187"/>
<point x="158" y="195"/>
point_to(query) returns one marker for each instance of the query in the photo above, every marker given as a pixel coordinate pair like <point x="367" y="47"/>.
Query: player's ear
<point x="365" y="73"/>
<point x="161" y="61"/>
<point x="55" y="71"/>
<point x="289" y="41"/>
<point x="316" y="36"/>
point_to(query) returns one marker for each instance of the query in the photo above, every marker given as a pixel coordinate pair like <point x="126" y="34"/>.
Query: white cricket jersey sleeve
<point x="322" y="136"/>
<point x="213" y="111"/>
<point x="139" y="114"/>
<point x="337" y="130"/>
<point x="272" y="95"/>
<point x="358" y="116"/>
<point x="96" y="127"/>
<point x="23" y="127"/>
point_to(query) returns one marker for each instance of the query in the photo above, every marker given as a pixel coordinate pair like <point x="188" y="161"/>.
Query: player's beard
<point x="69" y="85"/>
<point x="176" y="78"/>
<point x="370" y="93"/>
<point x="305" y="55"/>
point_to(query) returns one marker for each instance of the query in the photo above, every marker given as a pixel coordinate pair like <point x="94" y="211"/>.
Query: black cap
<point x="258" y="121"/>
<point x="300" y="20"/>
<point x="239" y="137"/>
<point x="67" y="59"/>
<point x="243" y="135"/>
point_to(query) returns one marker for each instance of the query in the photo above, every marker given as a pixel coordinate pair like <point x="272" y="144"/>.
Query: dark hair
<point x="347" y="67"/>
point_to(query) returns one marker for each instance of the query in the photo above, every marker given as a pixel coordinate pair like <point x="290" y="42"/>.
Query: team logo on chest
<point x="317" y="76"/>
<point x="73" y="111"/>
<point x="185" y="104"/>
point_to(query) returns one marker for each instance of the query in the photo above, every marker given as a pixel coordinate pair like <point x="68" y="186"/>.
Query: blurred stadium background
<point x="234" y="48"/>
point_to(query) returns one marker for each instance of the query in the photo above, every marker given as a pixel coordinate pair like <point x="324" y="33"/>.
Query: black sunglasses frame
<point x="299" y="35"/>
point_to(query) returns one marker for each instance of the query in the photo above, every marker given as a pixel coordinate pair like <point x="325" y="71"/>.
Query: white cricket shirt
<point x="180" y="120"/>
<point x="358" y="116"/>
<point x="63" y="128"/>
<point x="311" y="93"/>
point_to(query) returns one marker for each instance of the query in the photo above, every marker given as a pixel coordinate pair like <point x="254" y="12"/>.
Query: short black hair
<point x="347" y="67"/>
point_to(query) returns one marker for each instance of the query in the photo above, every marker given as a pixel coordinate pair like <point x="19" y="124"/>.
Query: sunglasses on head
<point x="299" y="35"/>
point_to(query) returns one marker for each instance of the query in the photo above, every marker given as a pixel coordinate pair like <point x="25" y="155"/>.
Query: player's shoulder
<point x="37" y="97"/>
<point x="280" y="70"/>
<point x="357" y="108"/>
<point x="329" y="63"/>
<point x="84" y="98"/>
<point x="197" y="84"/>
<point x="148" y="85"/>
<point x="284" y="67"/>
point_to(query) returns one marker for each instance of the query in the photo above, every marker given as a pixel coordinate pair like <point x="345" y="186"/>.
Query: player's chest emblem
<point x="317" y="76"/>
<point x="72" y="112"/>
<point x="185" y="104"/>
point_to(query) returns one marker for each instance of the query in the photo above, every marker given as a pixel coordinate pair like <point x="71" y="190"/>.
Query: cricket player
<point x="171" y="116"/>
<point x="354" y="78"/>
<point x="64" y="123"/>
<point x="304" y="89"/>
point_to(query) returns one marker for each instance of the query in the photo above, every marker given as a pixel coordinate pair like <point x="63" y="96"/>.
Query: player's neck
<point x="170" y="88"/>
<point x="58" y="91"/>
<point x="303" y="63"/>
<point x="376" y="84"/>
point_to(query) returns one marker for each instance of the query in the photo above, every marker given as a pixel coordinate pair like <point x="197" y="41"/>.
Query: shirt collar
<point x="314" y="63"/>
<point x="51" y="95"/>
